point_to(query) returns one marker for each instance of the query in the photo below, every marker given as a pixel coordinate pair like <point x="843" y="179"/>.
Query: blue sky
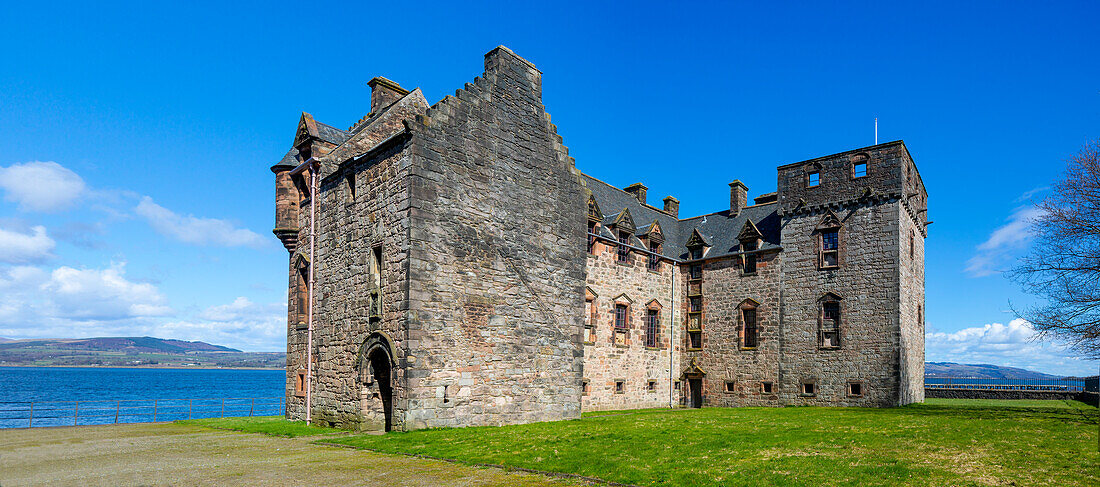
<point x="137" y="137"/>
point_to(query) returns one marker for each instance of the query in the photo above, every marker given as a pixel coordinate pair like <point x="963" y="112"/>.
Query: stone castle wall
<point x="496" y="264"/>
<point x="636" y="365"/>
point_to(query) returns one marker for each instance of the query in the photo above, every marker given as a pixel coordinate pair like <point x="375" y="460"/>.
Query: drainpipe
<point x="313" y="165"/>
<point x="671" y="334"/>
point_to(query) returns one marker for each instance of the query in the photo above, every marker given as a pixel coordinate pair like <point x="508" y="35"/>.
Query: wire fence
<point x="79" y="413"/>
<point x="973" y="383"/>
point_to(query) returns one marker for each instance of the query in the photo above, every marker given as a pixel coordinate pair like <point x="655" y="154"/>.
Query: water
<point x="129" y="393"/>
<point x="1070" y="385"/>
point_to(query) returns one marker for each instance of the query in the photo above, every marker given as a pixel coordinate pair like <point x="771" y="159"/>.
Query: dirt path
<point x="171" y="454"/>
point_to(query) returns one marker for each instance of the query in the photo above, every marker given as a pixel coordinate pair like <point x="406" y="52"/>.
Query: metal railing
<point x="78" y="413"/>
<point x="973" y="383"/>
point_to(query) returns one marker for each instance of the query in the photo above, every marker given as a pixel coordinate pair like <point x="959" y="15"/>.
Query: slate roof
<point x="719" y="228"/>
<point x="328" y="133"/>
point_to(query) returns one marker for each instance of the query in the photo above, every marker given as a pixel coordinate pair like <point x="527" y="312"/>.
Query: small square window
<point x="620" y="387"/>
<point x="814" y="178"/>
<point x="859" y="169"/>
<point x="651" y="386"/>
<point x="766" y="387"/>
<point x="731" y="386"/>
<point x="589" y="334"/>
<point x="855" y="388"/>
<point x="809" y="388"/>
<point x="676" y="385"/>
<point x="585" y="387"/>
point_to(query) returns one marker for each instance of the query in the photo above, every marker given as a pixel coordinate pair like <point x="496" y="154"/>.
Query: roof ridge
<point x="654" y="208"/>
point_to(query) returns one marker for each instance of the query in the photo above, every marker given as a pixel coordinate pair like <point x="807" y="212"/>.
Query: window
<point x="750" y="258"/>
<point x="300" y="384"/>
<point x="813" y="178"/>
<point x="676" y="385"/>
<point x="623" y="254"/>
<point x="654" y="262"/>
<point x="912" y="244"/>
<point x="809" y="389"/>
<point x="590" y="321"/>
<point x="592" y="237"/>
<point x="695" y="339"/>
<point x="859" y="169"/>
<point x="920" y="316"/>
<point x="766" y="387"/>
<point x="622" y="318"/>
<point x="303" y="293"/>
<point x="376" y="283"/>
<point x="695" y="304"/>
<point x="696" y="253"/>
<point x="830" y="324"/>
<point x="696" y="272"/>
<point x="748" y="316"/>
<point x="855" y="388"/>
<point x="830" y="248"/>
<point x="652" y="328"/>
<point x="731" y="386"/>
<point x="651" y="386"/>
<point x="350" y="189"/>
<point x="620" y="386"/>
<point x="585" y="387"/>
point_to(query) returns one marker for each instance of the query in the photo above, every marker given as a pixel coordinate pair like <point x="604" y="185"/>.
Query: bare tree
<point x="1064" y="264"/>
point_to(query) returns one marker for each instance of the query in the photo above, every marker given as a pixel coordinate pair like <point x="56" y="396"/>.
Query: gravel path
<point x="172" y="454"/>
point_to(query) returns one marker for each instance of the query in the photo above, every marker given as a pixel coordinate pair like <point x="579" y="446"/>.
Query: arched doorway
<point x="375" y="363"/>
<point x="380" y="368"/>
<point x="694" y="376"/>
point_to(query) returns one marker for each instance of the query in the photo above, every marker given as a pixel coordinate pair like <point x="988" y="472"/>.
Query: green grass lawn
<point x="944" y="442"/>
<point x="268" y="425"/>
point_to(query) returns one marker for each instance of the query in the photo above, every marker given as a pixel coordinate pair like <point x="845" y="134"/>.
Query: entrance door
<point x="380" y="363"/>
<point x="696" y="386"/>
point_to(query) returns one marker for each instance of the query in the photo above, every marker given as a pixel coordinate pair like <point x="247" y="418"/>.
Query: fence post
<point x="30" y="422"/>
<point x="189" y="402"/>
<point x="154" y="410"/>
<point x="252" y="408"/>
<point x="118" y="404"/>
<point x="222" y="414"/>
<point x="76" y="414"/>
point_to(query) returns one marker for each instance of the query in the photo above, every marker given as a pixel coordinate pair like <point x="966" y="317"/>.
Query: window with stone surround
<point x="300" y="384"/>
<point x="809" y="388"/>
<point x="830" y="248"/>
<point x="654" y="259"/>
<point x="912" y="243"/>
<point x="813" y="178"/>
<point x="749" y="336"/>
<point x="731" y="387"/>
<point x="376" y="283"/>
<point x="652" y="327"/>
<point x="696" y="253"/>
<point x="695" y="304"/>
<point x="622" y="323"/>
<point x="590" y="320"/>
<point x="855" y="389"/>
<point x="302" y="292"/>
<point x="651" y="386"/>
<point x="696" y="272"/>
<point x="766" y="387"/>
<point x="859" y="169"/>
<point x="591" y="237"/>
<point x="749" y="247"/>
<point x="695" y="339"/>
<point x="620" y="386"/>
<point x="830" y="322"/>
<point x="349" y="187"/>
<point x="623" y="252"/>
<point x="585" y="387"/>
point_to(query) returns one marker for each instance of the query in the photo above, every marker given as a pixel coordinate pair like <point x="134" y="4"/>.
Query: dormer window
<point x="623" y="253"/>
<point x="696" y="253"/>
<point x="749" y="247"/>
<point x="591" y="237"/>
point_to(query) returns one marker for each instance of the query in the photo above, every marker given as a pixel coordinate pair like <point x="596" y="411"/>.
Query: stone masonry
<point x="457" y="283"/>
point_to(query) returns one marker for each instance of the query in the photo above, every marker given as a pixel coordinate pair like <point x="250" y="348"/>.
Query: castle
<point x="464" y="272"/>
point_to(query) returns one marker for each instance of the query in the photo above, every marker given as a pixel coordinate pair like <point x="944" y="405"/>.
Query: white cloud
<point x="1004" y="244"/>
<point x="22" y="248"/>
<point x="1011" y="345"/>
<point x="193" y="230"/>
<point x="41" y="186"/>
<point x="101" y="294"/>
<point x="241" y="324"/>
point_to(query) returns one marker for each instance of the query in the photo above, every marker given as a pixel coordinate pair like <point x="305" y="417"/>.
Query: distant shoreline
<point x="202" y="367"/>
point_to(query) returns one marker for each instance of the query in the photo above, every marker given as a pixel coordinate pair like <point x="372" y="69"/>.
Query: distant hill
<point x="130" y="351"/>
<point x="984" y="371"/>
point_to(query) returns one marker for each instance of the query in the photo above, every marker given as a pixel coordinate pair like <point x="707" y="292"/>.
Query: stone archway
<point x="375" y="364"/>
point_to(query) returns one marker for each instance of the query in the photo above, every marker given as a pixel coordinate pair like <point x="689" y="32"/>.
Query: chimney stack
<point x="739" y="197"/>
<point x="638" y="190"/>
<point x="384" y="93"/>
<point x="672" y="206"/>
